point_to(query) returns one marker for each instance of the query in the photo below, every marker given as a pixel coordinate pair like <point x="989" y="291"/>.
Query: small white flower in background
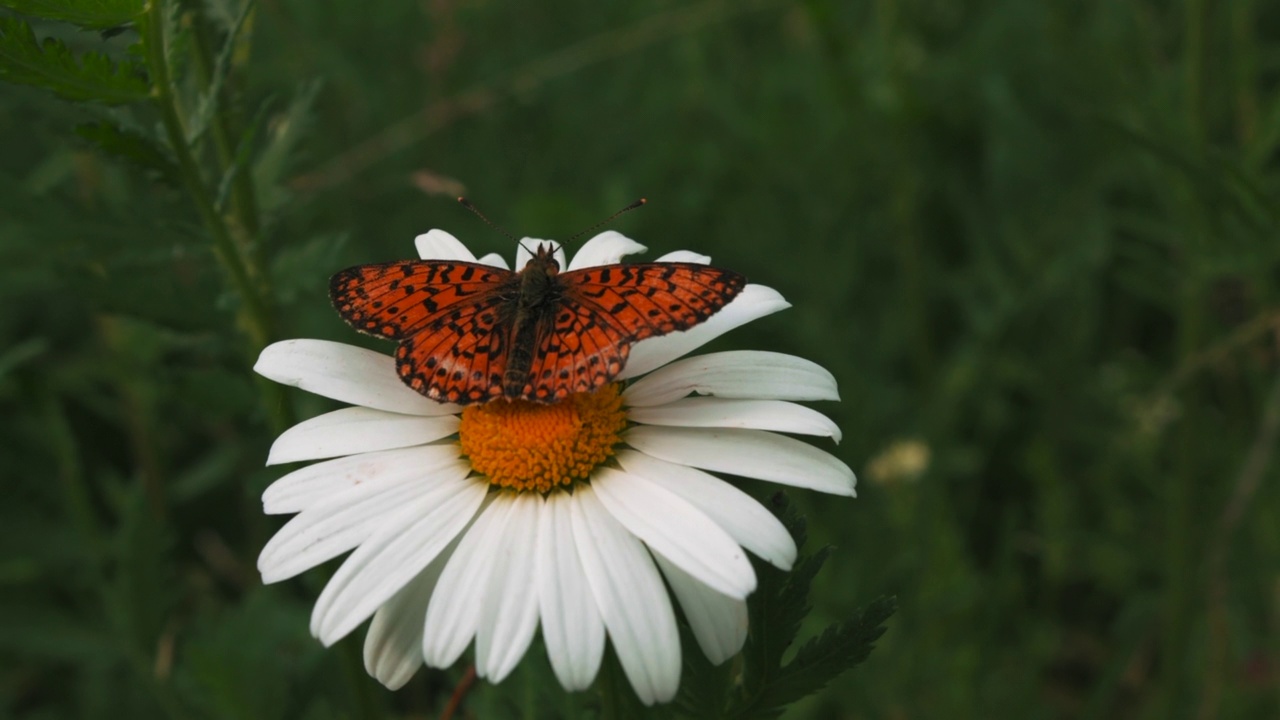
<point x="485" y="524"/>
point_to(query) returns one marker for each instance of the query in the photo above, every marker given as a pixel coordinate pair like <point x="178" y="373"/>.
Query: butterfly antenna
<point x="467" y="204"/>
<point x="611" y="218"/>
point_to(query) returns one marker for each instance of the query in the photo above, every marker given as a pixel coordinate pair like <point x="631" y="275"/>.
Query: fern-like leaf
<point x="134" y="148"/>
<point x="91" y="14"/>
<point x="92" y="77"/>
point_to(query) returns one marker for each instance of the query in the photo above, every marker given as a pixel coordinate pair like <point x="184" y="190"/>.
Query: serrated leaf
<point x="703" y="687"/>
<point x="779" y="604"/>
<point x="821" y="660"/>
<point x="240" y="162"/>
<point x="92" y="77"/>
<point x="132" y="147"/>
<point x="777" y="608"/>
<point x="207" y="103"/>
<point x="92" y="14"/>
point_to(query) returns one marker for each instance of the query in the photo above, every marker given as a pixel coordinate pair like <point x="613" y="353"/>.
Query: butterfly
<point x="471" y="333"/>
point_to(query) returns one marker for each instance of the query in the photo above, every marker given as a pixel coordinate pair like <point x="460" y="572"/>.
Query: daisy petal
<point x="510" y="606"/>
<point x="754" y="302"/>
<point x="774" y="415"/>
<point x="440" y="245"/>
<point x="747" y="374"/>
<point x="454" y="614"/>
<point x="633" y="602"/>
<point x="571" y="624"/>
<point x="673" y="527"/>
<point x="719" y="622"/>
<point x="607" y="248"/>
<point x="393" y="646"/>
<point x="528" y="246"/>
<point x="392" y="557"/>
<point x="685" y="256"/>
<point x="495" y="260"/>
<point x="749" y="523"/>
<point x="316" y="483"/>
<point x="345" y="373"/>
<point x="350" y="517"/>
<point x="747" y="453"/>
<point x="356" y="430"/>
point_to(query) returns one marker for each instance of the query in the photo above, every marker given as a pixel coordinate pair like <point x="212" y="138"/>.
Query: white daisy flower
<point x="482" y="525"/>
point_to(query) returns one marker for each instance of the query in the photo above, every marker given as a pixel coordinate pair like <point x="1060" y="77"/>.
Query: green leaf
<point x="92" y="14"/>
<point x="134" y="148"/>
<point x="207" y="103"/>
<point x="93" y="77"/>
<point x="819" y="661"/>
<point x="780" y="603"/>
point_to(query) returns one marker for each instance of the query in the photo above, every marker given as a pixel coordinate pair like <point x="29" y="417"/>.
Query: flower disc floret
<point x="531" y="446"/>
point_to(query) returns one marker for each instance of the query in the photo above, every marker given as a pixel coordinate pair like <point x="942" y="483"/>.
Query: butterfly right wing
<point x="449" y="317"/>
<point x="606" y="309"/>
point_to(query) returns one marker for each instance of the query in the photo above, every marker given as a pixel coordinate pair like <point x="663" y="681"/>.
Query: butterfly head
<point x="543" y="254"/>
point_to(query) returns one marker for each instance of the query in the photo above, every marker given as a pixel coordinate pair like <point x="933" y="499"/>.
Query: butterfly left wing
<point x="447" y="316"/>
<point x="605" y="310"/>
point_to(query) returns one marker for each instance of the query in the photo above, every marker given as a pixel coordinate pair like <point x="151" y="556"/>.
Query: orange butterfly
<point x="472" y="333"/>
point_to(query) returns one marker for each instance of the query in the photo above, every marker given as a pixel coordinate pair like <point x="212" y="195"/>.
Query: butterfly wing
<point x="605" y="310"/>
<point x="448" y="316"/>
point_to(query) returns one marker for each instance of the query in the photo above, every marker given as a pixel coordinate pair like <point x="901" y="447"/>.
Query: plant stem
<point x="255" y="315"/>
<point x="256" y="318"/>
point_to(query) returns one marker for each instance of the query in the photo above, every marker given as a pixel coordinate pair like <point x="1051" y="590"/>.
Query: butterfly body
<point x="473" y="333"/>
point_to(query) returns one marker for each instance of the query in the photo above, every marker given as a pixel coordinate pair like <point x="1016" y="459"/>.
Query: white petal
<point x="631" y="598"/>
<point x="393" y="646"/>
<point x="495" y="260"/>
<point x="755" y="301"/>
<point x="510" y="606"/>
<point x="719" y="622"/>
<point x="455" y="610"/>
<point x="528" y="246"/>
<point x="440" y="245"/>
<point x="345" y="373"/>
<point x="571" y="624"/>
<point x="754" y="374"/>
<point x="748" y="453"/>
<point x="673" y="527"/>
<point x="351" y="517"/>
<point x="357" y="430"/>
<point x="392" y="557"/>
<point x="749" y="523"/>
<point x="722" y="412"/>
<point x="607" y="248"/>
<point x="316" y="483"/>
<point x="685" y="256"/>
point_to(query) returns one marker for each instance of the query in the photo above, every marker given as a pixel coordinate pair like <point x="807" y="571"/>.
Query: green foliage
<point x="132" y="147"/>
<point x="1035" y="242"/>
<point x="766" y="683"/>
<point x="92" y="14"/>
<point x="92" y="77"/>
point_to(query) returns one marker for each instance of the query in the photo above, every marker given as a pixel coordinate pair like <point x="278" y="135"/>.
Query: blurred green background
<point x="1036" y="243"/>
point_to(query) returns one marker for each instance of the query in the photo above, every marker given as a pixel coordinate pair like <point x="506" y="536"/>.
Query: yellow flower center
<point x="525" y="445"/>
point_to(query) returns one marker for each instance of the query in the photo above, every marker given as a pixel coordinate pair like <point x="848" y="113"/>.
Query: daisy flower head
<point x="482" y="525"/>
